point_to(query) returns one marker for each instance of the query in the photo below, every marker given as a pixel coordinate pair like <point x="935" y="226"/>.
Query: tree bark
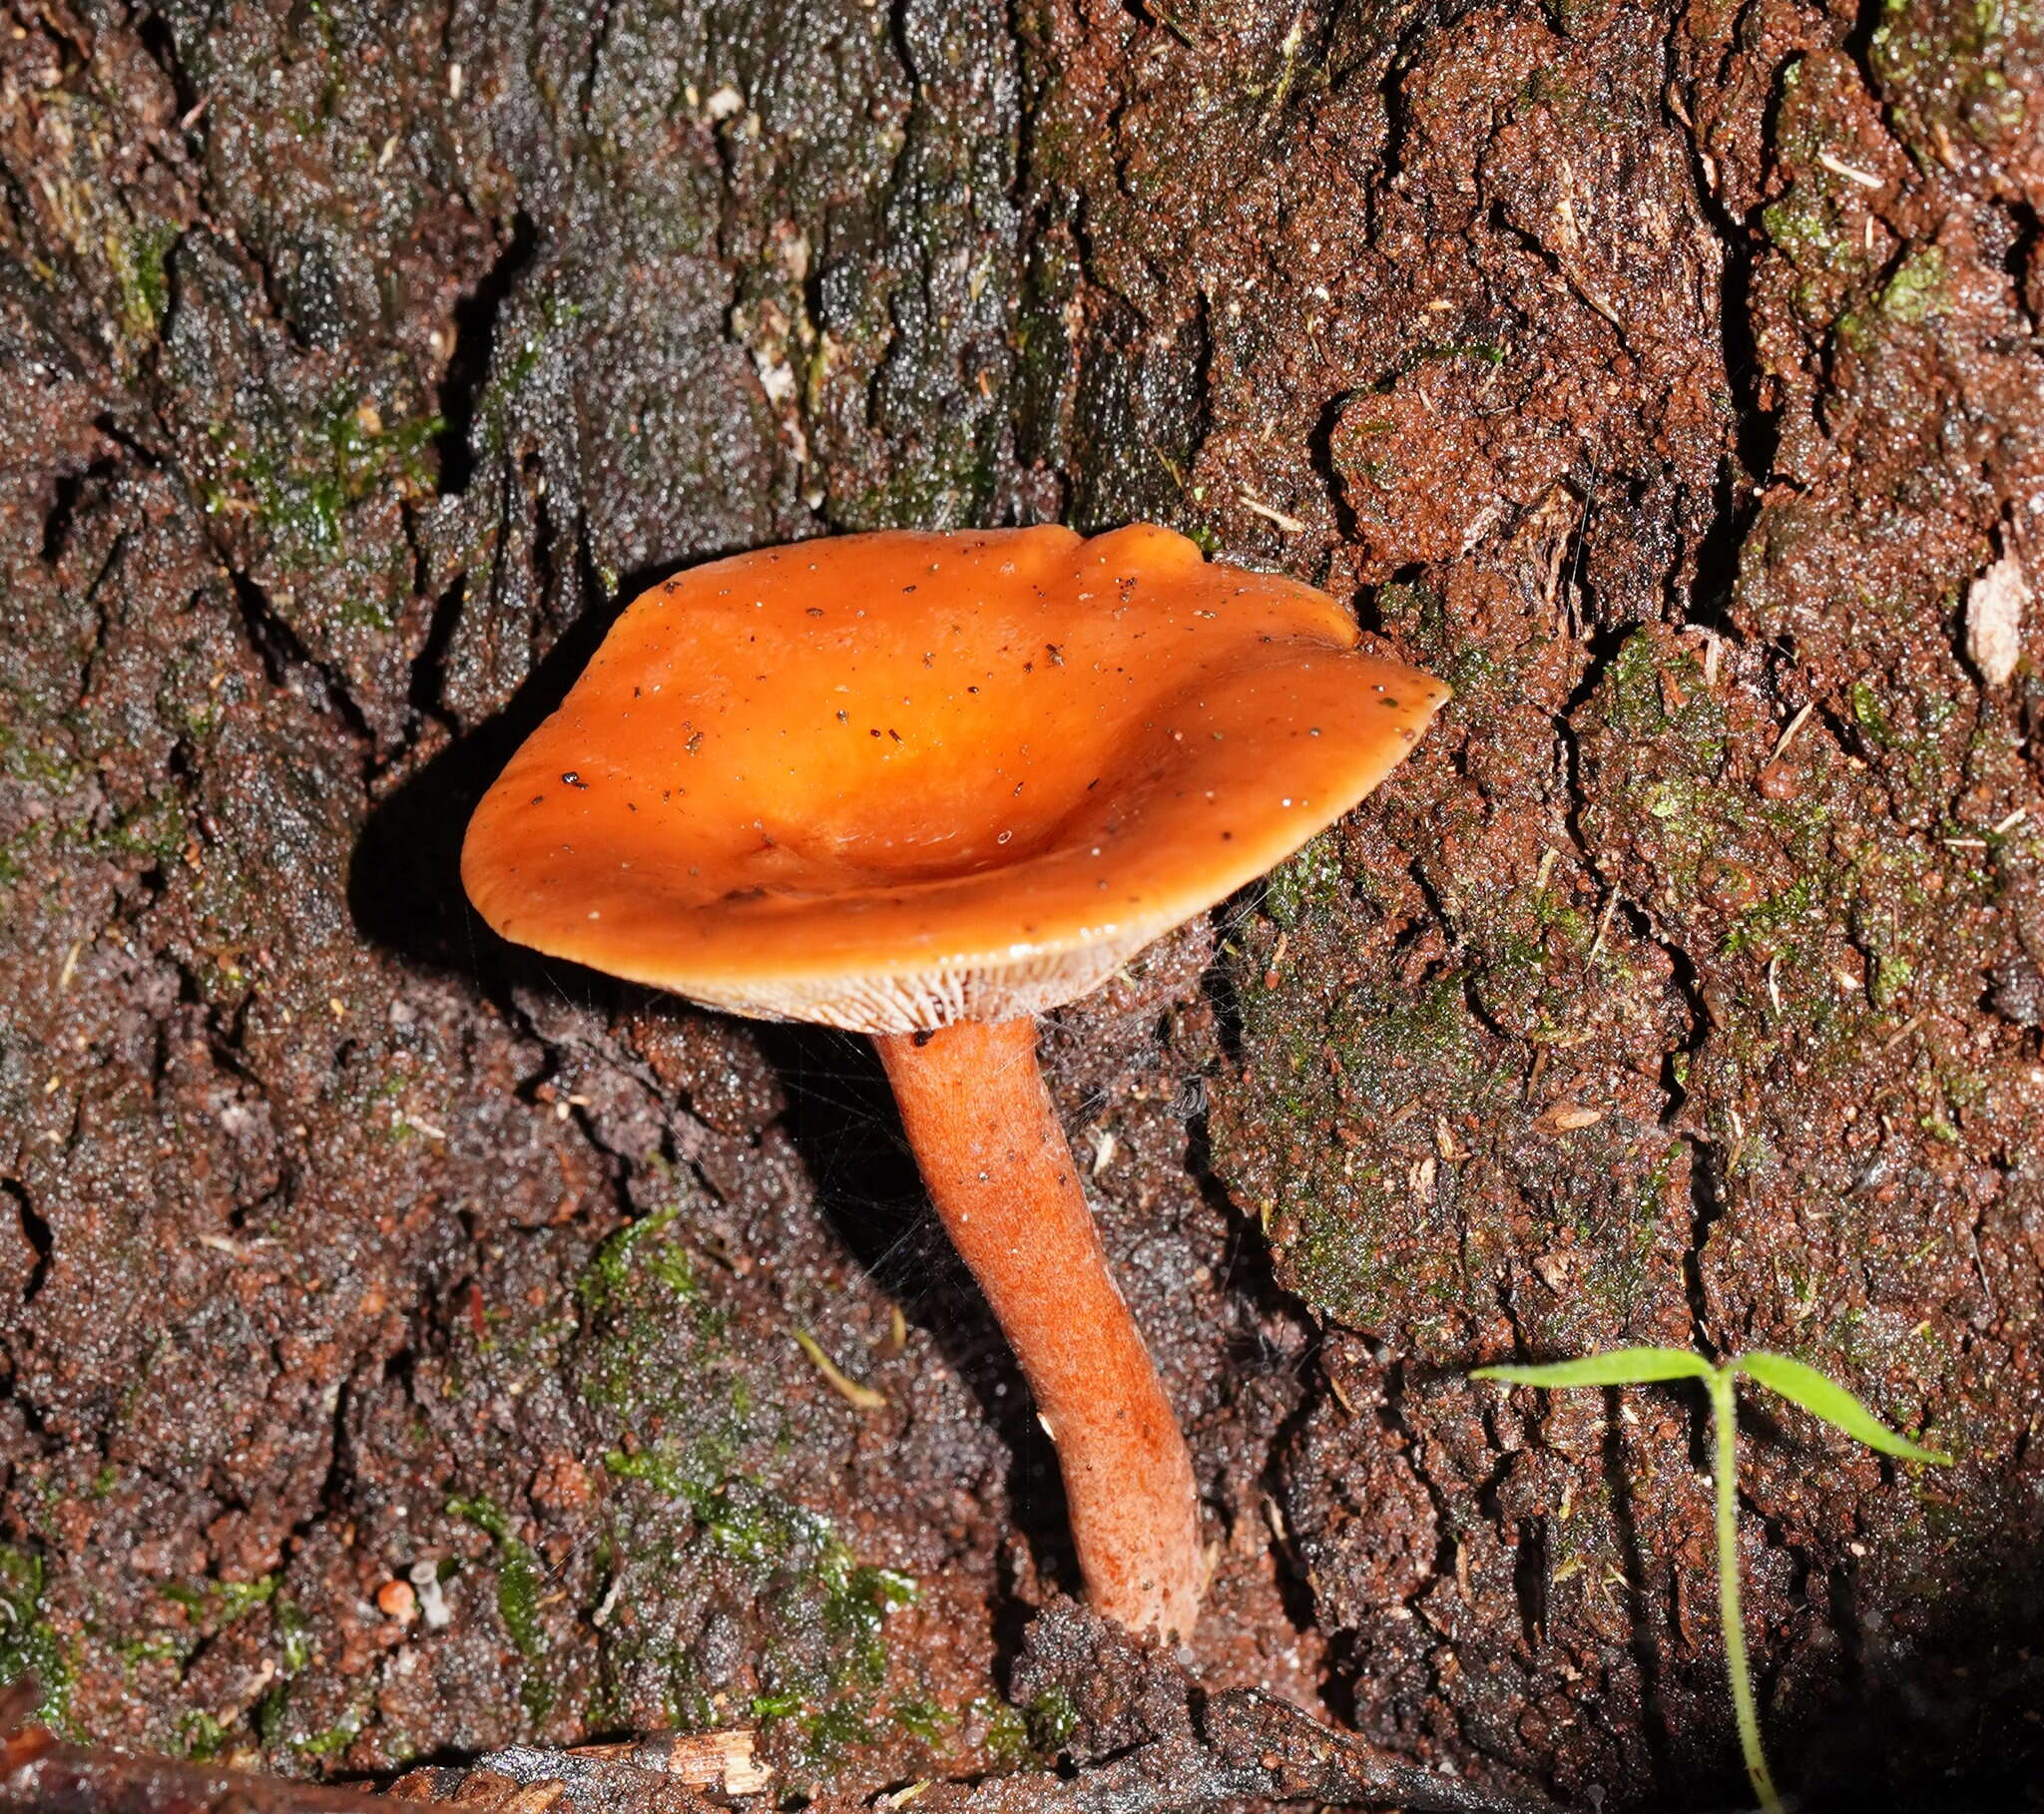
<point x="1667" y="379"/>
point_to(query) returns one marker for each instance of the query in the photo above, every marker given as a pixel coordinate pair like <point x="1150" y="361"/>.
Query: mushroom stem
<point x="1006" y="1187"/>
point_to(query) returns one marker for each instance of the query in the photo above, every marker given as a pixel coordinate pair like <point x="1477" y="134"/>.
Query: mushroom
<point x="926" y="786"/>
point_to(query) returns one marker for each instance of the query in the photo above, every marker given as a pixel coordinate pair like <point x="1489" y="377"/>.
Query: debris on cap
<point x="895" y="781"/>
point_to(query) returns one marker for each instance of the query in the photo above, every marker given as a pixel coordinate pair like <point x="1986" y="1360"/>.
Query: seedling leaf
<point x="1615" y="1367"/>
<point x="1824" y="1398"/>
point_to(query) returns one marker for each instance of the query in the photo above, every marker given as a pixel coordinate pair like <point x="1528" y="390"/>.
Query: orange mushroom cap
<point x="898" y="780"/>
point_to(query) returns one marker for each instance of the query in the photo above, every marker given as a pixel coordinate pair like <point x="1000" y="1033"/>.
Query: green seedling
<point x="1821" y="1397"/>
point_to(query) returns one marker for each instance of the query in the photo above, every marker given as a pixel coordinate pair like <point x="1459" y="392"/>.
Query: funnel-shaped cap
<point x="894" y="782"/>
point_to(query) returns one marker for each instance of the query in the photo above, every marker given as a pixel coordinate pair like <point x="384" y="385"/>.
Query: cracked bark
<point x="348" y="396"/>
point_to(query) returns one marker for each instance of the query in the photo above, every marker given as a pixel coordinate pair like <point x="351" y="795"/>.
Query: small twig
<point x="863" y="1398"/>
<point x="1790" y="729"/>
<point x="1903" y="1032"/>
<point x="1839" y="168"/>
<point x="1171" y="25"/>
<point x="1290" y="526"/>
<point x="40" y="1776"/>
<point x="1603" y="926"/>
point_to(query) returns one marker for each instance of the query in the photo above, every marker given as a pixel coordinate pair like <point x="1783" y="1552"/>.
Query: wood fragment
<point x="661" y="1773"/>
<point x="1567" y="1117"/>
<point x="1995" y="604"/>
<point x="705" y="1760"/>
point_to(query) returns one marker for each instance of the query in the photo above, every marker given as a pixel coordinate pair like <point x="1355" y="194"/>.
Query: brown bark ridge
<point x="1668" y="378"/>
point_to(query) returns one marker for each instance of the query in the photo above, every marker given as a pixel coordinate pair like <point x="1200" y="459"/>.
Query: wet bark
<point x="1667" y="380"/>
